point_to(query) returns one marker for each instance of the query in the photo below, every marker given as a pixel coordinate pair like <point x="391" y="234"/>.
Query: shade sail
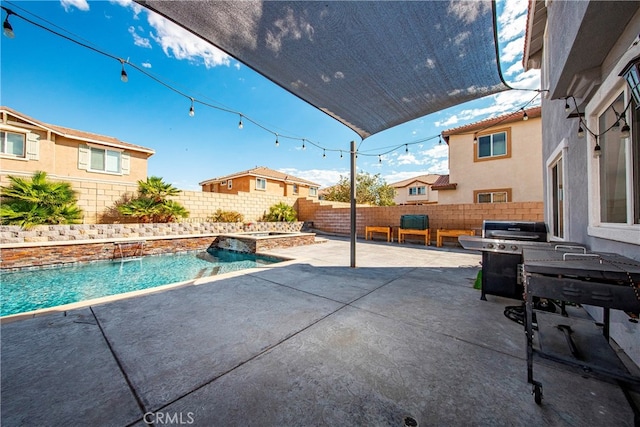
<point x="370" y="65"/>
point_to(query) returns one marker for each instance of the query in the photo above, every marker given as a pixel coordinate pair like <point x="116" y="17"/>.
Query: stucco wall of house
<point x="521" y="171"/>
<point x="564" y="20"/>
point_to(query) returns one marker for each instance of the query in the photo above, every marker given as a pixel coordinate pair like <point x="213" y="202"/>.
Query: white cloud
<point x="146" y="64"/>
<point x="513" y="19"/>
<point x="78" y="4"/>
<point x="138" y="40"/>
<point x="182" y="44"/>
<point x="468" y="11"/>
<point x="512" y="50"/>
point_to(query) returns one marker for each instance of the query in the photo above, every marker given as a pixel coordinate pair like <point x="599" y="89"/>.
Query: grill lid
<point x="515" y="230"/>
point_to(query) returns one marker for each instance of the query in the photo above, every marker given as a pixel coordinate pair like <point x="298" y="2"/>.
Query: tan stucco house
<point x="416" y="191"/>
<point x="494" y="160"/>
<point x="28" y="145"/>
<point x="261" y="180"/>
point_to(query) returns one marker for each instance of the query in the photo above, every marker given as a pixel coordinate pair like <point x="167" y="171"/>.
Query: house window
<point x="557" y="211"/>
<point x="491" y="145"/>
<point x="557" y="199"/>
<point x="619" y="166"/>
<point x="492" y="196"/>
<point x="229" y="184"/>
<point x="261" y="184"/>
<point x="104" y="160"/>
<point x="12" y="144"/>
<point x="417" y="191"/>
<point x="295" y="188"/>
<point x="313" y="191"/>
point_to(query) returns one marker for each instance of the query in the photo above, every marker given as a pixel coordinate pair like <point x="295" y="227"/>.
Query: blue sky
<point x="56" y="81"/>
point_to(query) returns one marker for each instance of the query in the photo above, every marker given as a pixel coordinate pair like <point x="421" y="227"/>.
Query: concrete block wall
<point x="335" y="217"/>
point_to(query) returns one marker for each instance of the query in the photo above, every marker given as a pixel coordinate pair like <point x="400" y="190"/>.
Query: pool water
<point x="28" y="290"/>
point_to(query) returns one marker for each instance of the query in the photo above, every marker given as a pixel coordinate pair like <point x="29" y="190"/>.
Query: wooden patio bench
<point x="370" y="229"/>
<point x="443" y="232"/>
<point x="404" y="231"/>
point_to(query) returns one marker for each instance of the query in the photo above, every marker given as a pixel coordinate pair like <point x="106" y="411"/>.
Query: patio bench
<point x="443" y="232"/>
<point x="404" y="231"/>
<point x="370" y="229"/>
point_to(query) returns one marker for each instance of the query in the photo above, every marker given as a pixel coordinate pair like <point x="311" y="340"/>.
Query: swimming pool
<point x="28" y="290"/>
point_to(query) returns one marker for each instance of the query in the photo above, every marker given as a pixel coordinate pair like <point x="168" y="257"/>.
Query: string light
<point x="475" y="138"/>
<point x="439" y="139"/>
<point x="566" y="105"/>
<point x="525" y="116"/>
<point x="580" y="131"/>
<point x="625" y="131"/>
<point x="123" y="73"/>
<point x="597" y="150"/>
<point x="7" y="29"/>
<point x="324" y="153"/>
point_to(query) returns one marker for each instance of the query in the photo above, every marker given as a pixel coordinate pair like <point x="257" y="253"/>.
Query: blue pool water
<point x="28" y="290"/>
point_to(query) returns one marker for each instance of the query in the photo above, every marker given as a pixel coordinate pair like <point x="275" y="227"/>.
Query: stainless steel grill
<point x="501" y="244"/>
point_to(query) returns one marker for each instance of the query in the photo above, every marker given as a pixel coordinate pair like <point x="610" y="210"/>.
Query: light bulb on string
<point x="475" y="138"/>
<point x="324" y="153"/>
<point x="525" y="116"/>
<point x="277" y="142"/>
<point x="566" y="106"/>
<point x="123" y="73"/>
<point x="7" y="29"/>
<point x="240" y="125"/>
<point x="439" y="140"/>
<point x="379" y="159"/>
<point x="340" y="153"/>
<point x="303" y="146"/>
<point x="192" y="112"/>
<point x="580" y="131"/>
<point x="406" y="148"/>
<point x="597" y="150"/>
<point x="625" y="130"/>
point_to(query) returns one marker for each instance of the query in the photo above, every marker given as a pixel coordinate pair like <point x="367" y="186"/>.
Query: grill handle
<point x="584" y="250"/>
<point x="510" y="236"/>
<point x="564" y="256"/>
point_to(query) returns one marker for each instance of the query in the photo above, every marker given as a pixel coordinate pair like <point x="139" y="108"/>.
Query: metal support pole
<point x="353" y="204"/>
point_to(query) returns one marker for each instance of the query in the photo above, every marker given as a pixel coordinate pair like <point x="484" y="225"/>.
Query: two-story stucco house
<point x="261" y="180"/>
<point x="591" y="134"/>
<point x="494" y="160"/>
<point x="416" y="190"/>
<point x="28" y="145"/>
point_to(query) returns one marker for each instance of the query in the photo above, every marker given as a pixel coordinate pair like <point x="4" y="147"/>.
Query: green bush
<point x="226" y="216"/>
<point x="281" y="212"/>
<point x="35" y="201"/>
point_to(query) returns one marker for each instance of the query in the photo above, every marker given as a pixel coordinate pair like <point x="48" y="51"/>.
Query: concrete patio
<point x="310" y="342"/>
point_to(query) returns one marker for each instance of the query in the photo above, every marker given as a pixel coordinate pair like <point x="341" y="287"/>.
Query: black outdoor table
<point x="571" y="275"/>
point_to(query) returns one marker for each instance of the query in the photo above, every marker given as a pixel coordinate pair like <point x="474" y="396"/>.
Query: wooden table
<point x="369" y="230"/>
<point x="443" y="232"/>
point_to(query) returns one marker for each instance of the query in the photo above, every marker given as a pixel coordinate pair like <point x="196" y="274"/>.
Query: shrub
<point x="226" y="216"/>
<point x="38" y="201"/>
<point x="281" y="212"/>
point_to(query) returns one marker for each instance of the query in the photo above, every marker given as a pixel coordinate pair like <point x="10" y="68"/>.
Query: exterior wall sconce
<point x="631" y="74"/>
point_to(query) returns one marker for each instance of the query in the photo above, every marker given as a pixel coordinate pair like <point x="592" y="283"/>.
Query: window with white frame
<point x="557" y="198"/>
<point x="417" y="191"/>
<point x="12" y="144"/>
<point x="261" y="184"/>
<point x="103" y="160"/>
<point x="313" y="191"/>
<point x="492" y="145"/>
<point x="619" y="164"/>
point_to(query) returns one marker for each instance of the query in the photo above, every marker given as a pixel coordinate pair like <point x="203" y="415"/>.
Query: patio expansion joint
<point x="120" y="366"/>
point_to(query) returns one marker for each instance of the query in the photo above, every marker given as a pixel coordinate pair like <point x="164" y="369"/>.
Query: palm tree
<point x="152" y="204"/>
<point x="29" y="202"/>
